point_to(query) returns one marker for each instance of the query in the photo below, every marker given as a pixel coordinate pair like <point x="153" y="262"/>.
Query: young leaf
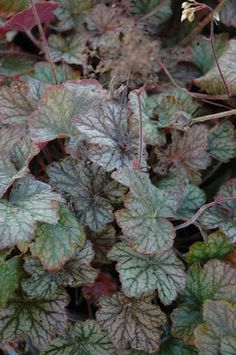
<point x="56" y="244"/>
<point x="216" y="246"/>
<point x="222" y="142"/>
<point x="82" y="338"/>
<point x="30" y="201"/>
<point x="140" y="274"/>
<point x="186" y="155"/>
<point x="211" y="82"/>
<point x="216" y="280"/>
<point x="224" y="214"/>
<point x="185" y="318"/>
<point x="15" y="104"/>
<point x="10" y="273"/>
<point x="75" y="273"/>
<point x="91" y="189"/>
<point x="152" y="134"/>
<point x="217" y="335"/>
<point x="134" y="322"/>
<point x="112" y="145"/>
<point x="40" y="319"/>
<point x="104" y="285"/>
<point x="69" y="49"/>
<point x="59" y="105"/>
<point x="24" y="21"/>
<point x="144" y="220"/>
<point x="102" y="242"/>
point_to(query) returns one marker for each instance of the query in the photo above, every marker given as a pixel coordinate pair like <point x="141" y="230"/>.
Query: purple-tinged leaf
<point x="144" y="221"/>
<point x="40" y="318"/>
<point x="91" y="189"/>
<point x="83" y="338"/>
<point x="112" y="144"/>
<point x="140" y="274"/>
<point x="228" y="14"/>
<point x="135" y="322"/>
<point x="55" y="244"/>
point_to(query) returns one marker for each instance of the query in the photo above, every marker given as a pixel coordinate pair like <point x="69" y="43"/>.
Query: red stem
<point x="140" y="130"/>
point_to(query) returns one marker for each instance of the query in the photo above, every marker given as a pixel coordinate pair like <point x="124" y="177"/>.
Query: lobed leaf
<point x="140" y="274"/>
<point x="222" y="142"/>
<point x="83" y="338"/>
<point x="55" y="244"/>
<point x="136" y="322"/>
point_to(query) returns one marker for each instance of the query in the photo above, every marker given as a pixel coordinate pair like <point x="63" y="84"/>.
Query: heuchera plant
<point x="117" y="178"/>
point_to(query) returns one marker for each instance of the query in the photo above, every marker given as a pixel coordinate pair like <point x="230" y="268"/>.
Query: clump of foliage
<point x="117" y="177"/>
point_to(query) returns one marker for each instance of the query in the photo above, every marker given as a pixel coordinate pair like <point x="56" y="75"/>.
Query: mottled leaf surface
<point x="112" y="144"/>
<point x="56" y="244"/>
<point x="29" y="201"/>
<point x="222" y="142"/>
<point x="228" y="14"/>
<point x="140" y="274"/>
<point x="135" y="322"/>
<point x="102" y="243"/>
<point x="144" y="221"/>
<point x="82" y="338"/>
<point x="40" y="319"/>
<point x="91" y="189"/>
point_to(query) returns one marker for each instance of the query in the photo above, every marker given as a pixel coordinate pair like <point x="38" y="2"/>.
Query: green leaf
<point x="75" y="273"/>
<point x="202" y="51"/>
<point x="112" y="144"/>
<point x="140" y="274"/>
<point x="185" y="318"/>
<point x="216" y="246"/>
<point x="40" y="319"/>
<point x="193" y="198"/>
<point x="70" y="49"/>
<point x="131" y="321"/>
<point x="91" y="189"/>
<point x="222" y="142"/>
<point x="43" y="73"/>
<point x="56" y="244"/>
<point x="83" y="338"/>
<point x="222" y="216"/>
<point x="8" y="8"/>
<point x="12" y="65"/>
<point x="70" y="12"/>
<point x="144" y="221"/>
<point x="152" y="134"/>
<point x="216" y="281"/>
<point x="59" y="105"/>
<point x="177" y="347"/>
<point x="102" y="243"/>
<point x="29" y="201"/>
<point x="15" y="104"/>
<point x="186" y="155"/>
<point x="10" y="275"/>
<point x="217" y="335"/>
<point x="212" y="83"/>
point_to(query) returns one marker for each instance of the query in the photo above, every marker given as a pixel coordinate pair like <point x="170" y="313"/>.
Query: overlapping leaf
<point x="222" y="142"/>
<point x="29" y="201"/>
<point x="83" y="338"/>
<point x="212" y="82"/>
<point x="142" y="108"/>
<point x="69" y="49"/>
<point x="56" y="244"/>
<point x="59" y="105"/>
<point x="216" y="246"/>
<point x="75" y="273"/>
<point x="104" y="285"/>
<point x="186" y="155"/>
<point x="112" y="144"/>
<point x="15" y="64"/>
<point x="227" y="14"/>
<point x="10" y="274"/>
<point x="224" y="214"/>
<point x="92" y="191"/>
<point x="144" y="221"/>
<point x="10" y="7"/>
<point x="218" y="334"/>
<point x="40" y="318"/>
<point x="192" y="199"/>
<point x="136" y="322"/>
<point x="141" y="274"/>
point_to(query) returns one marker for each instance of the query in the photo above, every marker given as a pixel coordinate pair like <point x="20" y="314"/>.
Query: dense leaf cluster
<point x="103" y="166"/>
